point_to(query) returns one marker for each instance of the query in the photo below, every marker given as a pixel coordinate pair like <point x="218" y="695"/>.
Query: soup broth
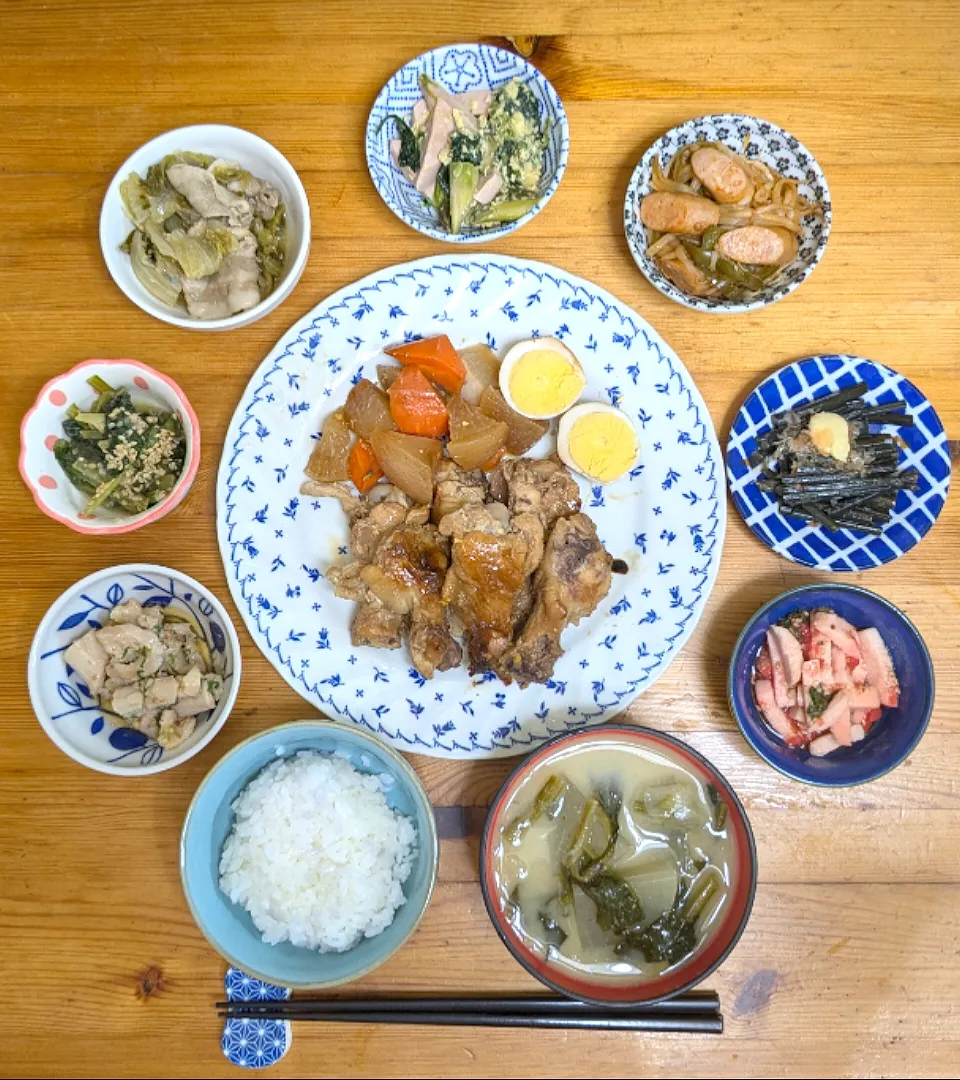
<point x="615" y="860"/>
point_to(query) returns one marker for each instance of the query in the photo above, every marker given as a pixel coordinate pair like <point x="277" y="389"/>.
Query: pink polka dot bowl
<point x="42" y="426"/>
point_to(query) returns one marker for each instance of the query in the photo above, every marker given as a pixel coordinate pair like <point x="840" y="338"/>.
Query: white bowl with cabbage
<point x="206" y="227"/>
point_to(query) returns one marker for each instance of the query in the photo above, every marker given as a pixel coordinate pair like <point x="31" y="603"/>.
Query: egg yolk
<point x="544" y="383"/>
<point x="603" y="445"/>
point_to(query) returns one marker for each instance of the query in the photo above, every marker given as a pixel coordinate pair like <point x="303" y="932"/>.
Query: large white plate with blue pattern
<point x="924" y="448"/>
<point x="666" y="519"/>
<point x="460" y="68"/>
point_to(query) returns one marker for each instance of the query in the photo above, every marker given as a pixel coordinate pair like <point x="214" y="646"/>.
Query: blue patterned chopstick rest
<point x="254" y="1044"/>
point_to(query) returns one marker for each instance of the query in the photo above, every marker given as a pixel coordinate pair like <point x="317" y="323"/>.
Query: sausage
<point x="790" y="245"/>
<point x="723" y="177"/>
<point x="753" y="244"/>
<point x="676" y="212"/>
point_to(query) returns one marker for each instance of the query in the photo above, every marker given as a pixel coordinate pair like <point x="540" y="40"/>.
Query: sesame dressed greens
<point x="124" y="457"/>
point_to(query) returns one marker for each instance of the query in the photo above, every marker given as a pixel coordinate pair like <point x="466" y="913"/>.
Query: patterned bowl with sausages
<point x="890" y="740"/>
<point x="754" y="138"/>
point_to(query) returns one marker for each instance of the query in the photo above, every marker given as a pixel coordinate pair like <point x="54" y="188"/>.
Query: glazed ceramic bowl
<point x="43" y="425"/>
<point x="73" y="717"/>
<point x="766" y="142"/>
<point x="234" y="144"/>
<point x="228" y="927"/>
<point x="623" y="990"/>
<point x="460" y="68"/>
<point x="890" y="740"/>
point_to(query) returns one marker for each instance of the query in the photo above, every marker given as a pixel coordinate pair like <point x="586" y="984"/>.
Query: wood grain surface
<point x="849" y="966"/>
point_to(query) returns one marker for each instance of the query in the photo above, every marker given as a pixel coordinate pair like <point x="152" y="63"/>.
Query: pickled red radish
<point x="821" y="683"/>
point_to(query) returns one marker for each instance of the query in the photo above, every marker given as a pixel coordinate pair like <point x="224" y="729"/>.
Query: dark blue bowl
<point x="894" y="735"/>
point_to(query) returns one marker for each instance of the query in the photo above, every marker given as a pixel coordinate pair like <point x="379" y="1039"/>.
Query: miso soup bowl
<point x="625" y="990"/>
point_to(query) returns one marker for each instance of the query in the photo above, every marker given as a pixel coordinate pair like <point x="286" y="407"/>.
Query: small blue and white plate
<point x="460" y="68"/>
<point x="924" y="449"/>
<point x="74" y="718"/>
<point x="766" y="142"/>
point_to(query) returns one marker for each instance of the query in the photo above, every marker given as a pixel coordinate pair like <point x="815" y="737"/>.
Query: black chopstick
<point x="697" y="1001"/>
<point x="697" y="1011"/>
<point x="611" y="1020"/>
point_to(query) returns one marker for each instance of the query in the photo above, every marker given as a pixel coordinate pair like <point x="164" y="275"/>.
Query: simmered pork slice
<point x="486" y="574"/>
<point x="573" y="577"/>
<point x="407" y="576"/>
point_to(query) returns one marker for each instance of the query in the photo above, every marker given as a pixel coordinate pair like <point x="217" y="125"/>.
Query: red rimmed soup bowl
<point x="674" y="804"/>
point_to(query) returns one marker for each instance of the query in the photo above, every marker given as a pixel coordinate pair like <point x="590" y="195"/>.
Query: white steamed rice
<point x="316" y="855"/>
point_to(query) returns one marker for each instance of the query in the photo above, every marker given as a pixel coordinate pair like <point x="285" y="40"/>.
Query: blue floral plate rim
<point x="677" y="505"/>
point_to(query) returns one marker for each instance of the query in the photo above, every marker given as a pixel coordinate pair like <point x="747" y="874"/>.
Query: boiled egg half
<point x="541" y="378"/>
<point x="597" y="441"/>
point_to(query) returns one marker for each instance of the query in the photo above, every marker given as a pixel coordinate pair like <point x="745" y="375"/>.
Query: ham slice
<point x="439" y="130"/>
<point x="838" y="630"/>
<point x="880" y="673"/>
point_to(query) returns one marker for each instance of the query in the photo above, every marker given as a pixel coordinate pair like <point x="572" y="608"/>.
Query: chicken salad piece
<point x="151" y="669"/>
<point x="477" y="157"/>
<point x="208" y="234"/>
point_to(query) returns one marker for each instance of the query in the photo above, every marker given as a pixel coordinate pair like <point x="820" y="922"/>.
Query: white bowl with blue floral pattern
<point x="73" y="717"/>
<point x="765" y="142"/>
<point x="460" y="68"/>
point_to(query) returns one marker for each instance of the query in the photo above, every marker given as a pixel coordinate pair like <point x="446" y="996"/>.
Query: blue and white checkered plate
<point x="924" y="448"/>
<point x="666" y="519"/>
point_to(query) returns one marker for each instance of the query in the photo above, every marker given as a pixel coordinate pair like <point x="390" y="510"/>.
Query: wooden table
<point x="849" y="965"/>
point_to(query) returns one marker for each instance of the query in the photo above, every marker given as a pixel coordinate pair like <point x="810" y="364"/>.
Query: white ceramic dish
<point x="767" y="143"/>
<point x="665" y="518"/>
<point x="234" y="144"/>
<point x="72" y="716"/>
<point x="43" y="425"/>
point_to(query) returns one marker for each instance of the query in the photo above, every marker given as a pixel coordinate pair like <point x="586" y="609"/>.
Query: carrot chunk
<point x="437" y="359"/>
<point x="415" y="405"/>
<point x="363" y="466"/>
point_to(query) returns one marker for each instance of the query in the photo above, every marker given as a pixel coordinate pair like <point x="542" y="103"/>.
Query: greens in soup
<point x="615" y="861"/>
